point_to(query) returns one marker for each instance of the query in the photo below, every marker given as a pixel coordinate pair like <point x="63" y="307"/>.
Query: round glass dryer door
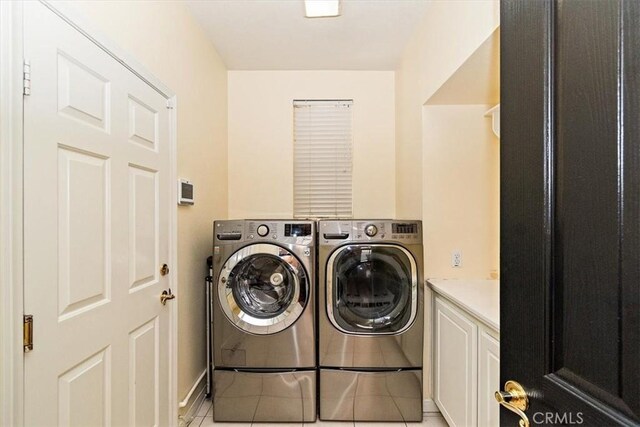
<point x="372" y="289"/>
<point x="263" y="289"/>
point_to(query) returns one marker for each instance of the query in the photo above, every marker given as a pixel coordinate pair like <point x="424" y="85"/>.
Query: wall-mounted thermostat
<point x="185" y="192"/>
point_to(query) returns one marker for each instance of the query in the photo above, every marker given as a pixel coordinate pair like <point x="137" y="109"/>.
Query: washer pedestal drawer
<point x="349" y="395"/>
<point x="249" y="396"/>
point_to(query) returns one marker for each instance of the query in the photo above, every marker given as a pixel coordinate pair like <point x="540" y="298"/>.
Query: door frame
<point x="11" y="200"/>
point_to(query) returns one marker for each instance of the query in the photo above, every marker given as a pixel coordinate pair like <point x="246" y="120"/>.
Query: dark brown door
<point x="570" y="213"/>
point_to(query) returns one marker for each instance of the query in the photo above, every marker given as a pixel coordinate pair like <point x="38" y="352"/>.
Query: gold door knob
<point x="164" y="270"/>
<point x="515" y="399"/>
<point x="166" y="295"/>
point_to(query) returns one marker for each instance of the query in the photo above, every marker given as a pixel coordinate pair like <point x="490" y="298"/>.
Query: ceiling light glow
<point x="321" y="8"/>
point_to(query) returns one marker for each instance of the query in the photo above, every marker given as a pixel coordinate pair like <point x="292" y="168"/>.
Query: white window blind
<point x="322" y="159"/>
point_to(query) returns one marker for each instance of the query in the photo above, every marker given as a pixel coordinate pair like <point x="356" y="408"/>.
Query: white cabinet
<point x="488" y="379"/>
<point x="466" y="367"/>
<point x="456" y="348"/>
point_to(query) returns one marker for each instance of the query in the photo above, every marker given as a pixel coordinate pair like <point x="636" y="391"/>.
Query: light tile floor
<point x="204" y="418"/>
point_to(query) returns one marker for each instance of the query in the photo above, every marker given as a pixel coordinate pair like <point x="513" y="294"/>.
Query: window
<point x="322" y="167"/>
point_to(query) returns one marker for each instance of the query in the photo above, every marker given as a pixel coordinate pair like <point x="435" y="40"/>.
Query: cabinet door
<point x="455" y="358"/>
<point x="488" y="380"/>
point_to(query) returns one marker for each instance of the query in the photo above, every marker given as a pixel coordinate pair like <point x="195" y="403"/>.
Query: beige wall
<point x="449" y="33"/>
<point x="408" y="138"/>
<point x="168" y="42"/>
<point x="261" y="138"/>
<point x="461" y="161"/>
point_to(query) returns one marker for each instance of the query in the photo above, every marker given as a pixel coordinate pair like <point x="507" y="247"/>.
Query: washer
<point x="263" y="304"/>
<point x="371" y="320"/>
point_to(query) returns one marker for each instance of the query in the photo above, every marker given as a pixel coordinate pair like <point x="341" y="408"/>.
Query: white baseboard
<point x="190" y="411"/>
<point x="188" y="408"/>
<point x="429" y="406"/>
<point x="185" y="402"/>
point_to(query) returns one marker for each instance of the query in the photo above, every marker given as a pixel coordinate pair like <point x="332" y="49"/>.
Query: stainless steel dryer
<point x="264" y="321"/>
<point x="371" y="316"/>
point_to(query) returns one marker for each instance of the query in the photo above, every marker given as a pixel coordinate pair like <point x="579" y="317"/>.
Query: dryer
<point x="263" y="304"/>
<point x="370" y="316"/>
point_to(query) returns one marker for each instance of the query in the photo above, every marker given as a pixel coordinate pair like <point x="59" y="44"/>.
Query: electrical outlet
<point x="456" y="258"/>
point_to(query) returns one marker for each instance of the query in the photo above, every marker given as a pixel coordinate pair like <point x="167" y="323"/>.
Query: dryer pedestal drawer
<point x="247" y="396"/>
<point x="347" y="395"/>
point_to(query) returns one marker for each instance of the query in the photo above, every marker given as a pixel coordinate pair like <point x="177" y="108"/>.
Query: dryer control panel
<point x="337" y="232"/>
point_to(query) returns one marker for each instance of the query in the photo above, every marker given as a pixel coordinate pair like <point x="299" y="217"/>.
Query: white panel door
<point x="455" y="359"/>
<point x="488" y="380"/>
<point x="96" y="233"/>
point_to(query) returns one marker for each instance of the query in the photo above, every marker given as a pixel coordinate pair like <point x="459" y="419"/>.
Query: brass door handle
<point x="166" y="296"/>
<point x="515" y="399"/>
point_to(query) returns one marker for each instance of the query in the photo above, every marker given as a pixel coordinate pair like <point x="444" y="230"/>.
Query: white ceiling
<point x="275" y="35"/>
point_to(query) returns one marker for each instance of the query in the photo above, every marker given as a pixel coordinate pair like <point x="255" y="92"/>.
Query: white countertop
<point x="481" y="298"/>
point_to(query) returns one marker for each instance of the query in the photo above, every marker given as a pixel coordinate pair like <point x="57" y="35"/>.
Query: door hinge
<point x="27" y="332"/>
<point x="169" y="104"/>
<point x="26" y="78"/>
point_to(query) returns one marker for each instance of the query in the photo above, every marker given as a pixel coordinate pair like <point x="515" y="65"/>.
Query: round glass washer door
<point x="372" y="289"/>
<point x="263" y="289"/>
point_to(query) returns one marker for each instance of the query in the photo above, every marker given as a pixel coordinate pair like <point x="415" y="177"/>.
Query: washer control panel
<point x="262" y="230"/>
<point x="228" y="231"/>
<point x="283" y="232"/>
<point x="288" y="232"/>
<point x="297" y="230"/>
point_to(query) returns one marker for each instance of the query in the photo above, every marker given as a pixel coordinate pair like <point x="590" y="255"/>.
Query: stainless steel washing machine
<point x="371" y="320"/>
<point x="263" y="304"/>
